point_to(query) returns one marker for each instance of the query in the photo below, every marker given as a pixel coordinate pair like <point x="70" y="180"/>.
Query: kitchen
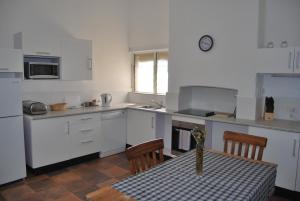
<point x="237" y="73"/>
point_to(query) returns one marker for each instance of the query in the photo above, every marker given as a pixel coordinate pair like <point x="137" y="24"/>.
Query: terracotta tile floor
<point x="71" y="183"/>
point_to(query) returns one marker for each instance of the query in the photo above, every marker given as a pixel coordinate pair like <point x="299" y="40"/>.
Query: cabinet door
<point x="298" y="169"/>
<point x="282" y="149"/>
<point x="76" y="59"/>
<point x="37" y="43"/>
<point x="49" y="141"/>
<point x="140" y="126"/>
<point x="218" y="130"/>
<point x="11" y="60"/>
<point x="275" y="60"/>
<point x="297" y="60"/>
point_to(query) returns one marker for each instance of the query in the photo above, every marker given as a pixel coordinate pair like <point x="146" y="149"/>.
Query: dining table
<point x="225" y="177"/>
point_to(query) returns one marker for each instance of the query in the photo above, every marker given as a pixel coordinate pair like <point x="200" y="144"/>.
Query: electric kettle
<point x="106" y="100"/>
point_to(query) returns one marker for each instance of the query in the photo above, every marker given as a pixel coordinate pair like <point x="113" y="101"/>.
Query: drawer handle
<point x="3" y="68"/>
<point x="86" y="130"/>
<point x="43" y="53"/>
<point x="87" y="118"/>
<point x="87" y="141"/>
<point x="294" y="148"/>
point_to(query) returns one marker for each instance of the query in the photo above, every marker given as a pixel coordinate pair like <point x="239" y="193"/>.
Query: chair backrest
<point x="248" y="141"/>
<point x="144" y="156"/>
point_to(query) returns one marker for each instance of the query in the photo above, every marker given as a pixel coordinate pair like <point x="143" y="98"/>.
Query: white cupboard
<point x="76" y="59"/>
<point x="47" y="141"/>
<point x="283" y="149"/>
<point x="54" y="140"/>
<point x="11" y="60"/>
<point x="278" y="60"/>
<point x="141" y="126"/>
<point x="84" y="132"/>
<point x="35" y="43"/>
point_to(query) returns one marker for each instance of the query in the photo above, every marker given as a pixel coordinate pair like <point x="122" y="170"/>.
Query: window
<point x="151" y="72"/>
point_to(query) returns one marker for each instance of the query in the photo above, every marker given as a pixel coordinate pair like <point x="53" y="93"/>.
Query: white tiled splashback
<point x="207" y="98"/>
<point x="286" y="93"/>
<point x="146" y="98"/>
<point x="61" y="96"/>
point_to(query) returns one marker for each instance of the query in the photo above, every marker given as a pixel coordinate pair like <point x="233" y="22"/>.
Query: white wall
<point x="234" y="26"/>
<point x="105" y="22"/>
<point x="148" y="24"/>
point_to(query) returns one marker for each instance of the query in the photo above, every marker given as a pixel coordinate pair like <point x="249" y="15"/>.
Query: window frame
<point x="133" y="71"/>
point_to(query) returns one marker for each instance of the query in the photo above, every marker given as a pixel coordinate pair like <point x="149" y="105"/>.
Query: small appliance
<point x="41" y="70"/>
<point x="34" y="108"/>
<point x="106" y="100"/>
<point x="196" y="112"/>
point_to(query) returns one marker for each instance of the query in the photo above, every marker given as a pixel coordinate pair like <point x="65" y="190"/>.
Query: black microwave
<point x="41" y="70"/>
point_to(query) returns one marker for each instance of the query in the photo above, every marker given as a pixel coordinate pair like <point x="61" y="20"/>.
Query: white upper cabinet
<point x="11" y="60"/>
<point x="275" y="60"/>
<point x="35" y="43"/>
<point x="76" y="59"/>
<point x="297" y="60"/>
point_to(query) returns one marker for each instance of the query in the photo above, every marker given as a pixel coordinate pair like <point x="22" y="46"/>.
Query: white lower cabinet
<point x="54" y="140"/>
<point x="47" y="141"/>
<point x="140" y="126"/>
<point x="282" y="149"/>
<point x="84" y="132"/>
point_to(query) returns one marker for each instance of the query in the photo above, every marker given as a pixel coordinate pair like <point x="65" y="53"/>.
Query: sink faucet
<point x="160" y="105"/>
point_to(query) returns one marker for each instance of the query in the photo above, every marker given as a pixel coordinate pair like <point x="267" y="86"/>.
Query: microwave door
<point x="43" y="71"/>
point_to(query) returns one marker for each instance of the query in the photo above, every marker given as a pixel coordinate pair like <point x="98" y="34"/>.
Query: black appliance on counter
<point x="34" y="108"/>
<point x="197" y="112"/>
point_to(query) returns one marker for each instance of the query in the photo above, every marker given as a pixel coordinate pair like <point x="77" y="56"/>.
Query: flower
<point x="199" y="135"/>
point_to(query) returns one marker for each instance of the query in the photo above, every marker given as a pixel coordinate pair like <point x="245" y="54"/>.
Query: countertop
<point x="284" y="125"/>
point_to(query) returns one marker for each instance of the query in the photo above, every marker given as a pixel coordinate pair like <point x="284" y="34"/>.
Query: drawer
<point x="85" y="141"/>
<point x="86" y="119"/>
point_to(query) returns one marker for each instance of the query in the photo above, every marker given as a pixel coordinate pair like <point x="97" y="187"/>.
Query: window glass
<point x="162" y="72"/>
<point x="144" y="72"/>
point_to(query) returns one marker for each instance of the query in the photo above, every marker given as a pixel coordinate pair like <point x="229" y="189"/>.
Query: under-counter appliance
<point x="12" y="151"/>
<point x="113" y="132"/>
<point x="34" y="108"/>
<point x="41" y="70"/>
<point x="197" y="112"/>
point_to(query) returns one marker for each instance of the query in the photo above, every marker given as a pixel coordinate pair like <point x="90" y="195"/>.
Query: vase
<point x="199" y="159"/>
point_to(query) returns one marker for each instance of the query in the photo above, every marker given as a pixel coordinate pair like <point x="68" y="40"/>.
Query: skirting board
<point x="112" y="152"/>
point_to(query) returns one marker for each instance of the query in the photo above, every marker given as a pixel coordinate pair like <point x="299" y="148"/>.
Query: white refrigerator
<point x="12" y="149"/>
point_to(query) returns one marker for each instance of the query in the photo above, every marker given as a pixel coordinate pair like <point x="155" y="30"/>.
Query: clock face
<point x="206" y="42"/>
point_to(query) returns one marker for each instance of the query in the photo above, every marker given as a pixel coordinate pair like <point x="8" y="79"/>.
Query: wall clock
<point x="206" y="43"/>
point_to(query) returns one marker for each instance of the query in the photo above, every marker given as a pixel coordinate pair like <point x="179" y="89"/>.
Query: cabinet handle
<point x="152" y="122"/>
<point x="290" y="59"/>
<point x="90" y="67"/>
<point x="43" y="53"/>
<point x="86" y="130"/>
<point x="68" y="128"/>
<point x="87" y="141"/>
<point x="3" y="68"/>
<point x="87" y="118"/>
<point x="297" y="60"/>
<point x="294" y="148"/>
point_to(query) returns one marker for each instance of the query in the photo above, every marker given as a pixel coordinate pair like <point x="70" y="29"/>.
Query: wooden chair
<point x="248" y="141"/>
<point x="143" y="156"/>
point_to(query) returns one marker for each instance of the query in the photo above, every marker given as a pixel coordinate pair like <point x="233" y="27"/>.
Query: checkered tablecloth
<point x="224" y="178"/>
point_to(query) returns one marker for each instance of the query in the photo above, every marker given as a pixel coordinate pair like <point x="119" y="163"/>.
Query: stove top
<point x="196" y="112"/>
